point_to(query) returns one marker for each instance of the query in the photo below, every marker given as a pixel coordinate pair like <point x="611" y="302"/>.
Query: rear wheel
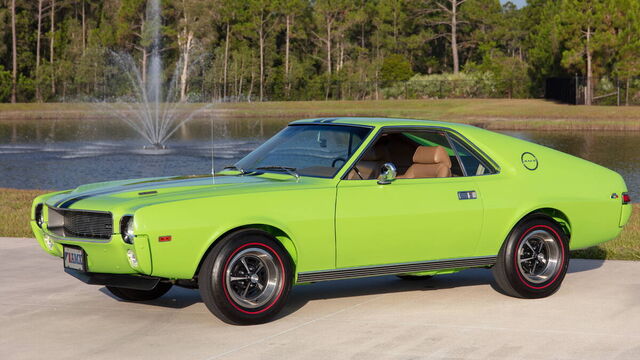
<point x="246" y="278"/>
<point x="140" y="295"/>
<point x="533" y="261"/>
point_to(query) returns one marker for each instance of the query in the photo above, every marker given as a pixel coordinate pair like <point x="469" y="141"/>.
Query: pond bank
<point x="495" y="114"/>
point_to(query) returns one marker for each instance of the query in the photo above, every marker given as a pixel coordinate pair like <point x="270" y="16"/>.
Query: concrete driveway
<point x="46" y="314"/>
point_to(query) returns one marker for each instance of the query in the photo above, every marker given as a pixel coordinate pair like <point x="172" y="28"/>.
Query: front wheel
<point x="533" y="261"/>
<point x="246" y="279"/>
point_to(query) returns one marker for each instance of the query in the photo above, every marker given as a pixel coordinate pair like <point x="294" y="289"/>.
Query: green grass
<point x="16" y="205"/>
<point x="15" y="209"/>
<point x="489" y="113"/>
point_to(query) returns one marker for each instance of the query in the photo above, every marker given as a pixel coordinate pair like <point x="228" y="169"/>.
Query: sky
<point x="519" y="3"/>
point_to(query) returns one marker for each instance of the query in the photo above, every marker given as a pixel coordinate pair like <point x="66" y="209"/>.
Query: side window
<point x="435" y="138"/>
<point x="471" y="163"/>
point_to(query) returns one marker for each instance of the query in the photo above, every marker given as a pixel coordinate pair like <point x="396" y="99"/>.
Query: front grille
<point x="80" y="223"/>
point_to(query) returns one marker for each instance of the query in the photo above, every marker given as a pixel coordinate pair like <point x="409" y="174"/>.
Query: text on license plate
<point x="74" y="258"/>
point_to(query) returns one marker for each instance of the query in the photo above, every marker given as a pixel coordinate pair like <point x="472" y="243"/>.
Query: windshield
<point x="309" y="150"/>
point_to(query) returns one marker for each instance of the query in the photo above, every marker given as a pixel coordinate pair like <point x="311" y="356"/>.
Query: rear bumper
<point x="138" y="282"/>
<point x="625" y="214"/>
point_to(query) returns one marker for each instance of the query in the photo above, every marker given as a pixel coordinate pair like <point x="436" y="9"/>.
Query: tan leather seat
<point x="429" y="162"/>
<point x="369" y="165"/>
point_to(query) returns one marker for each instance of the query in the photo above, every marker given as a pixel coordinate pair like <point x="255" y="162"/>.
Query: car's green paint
<point x="333" y="223"/>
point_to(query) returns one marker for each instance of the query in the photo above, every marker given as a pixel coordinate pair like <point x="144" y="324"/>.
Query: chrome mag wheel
<point x="253" y="278"/>
<point x="538" y="256"/>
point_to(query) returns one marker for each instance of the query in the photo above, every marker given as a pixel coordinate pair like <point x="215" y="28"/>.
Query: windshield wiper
<point x="236" y="168"/>
<point x="289" y="170"/>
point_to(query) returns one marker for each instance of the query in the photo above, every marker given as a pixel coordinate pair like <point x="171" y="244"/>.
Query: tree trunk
<point x="589" y="90"/>
<point x="286" y="52"/>
<point x="341" y="61"/>
<point x="395" y="29"/>
<point x="38" y="36"/>
<point x="329" y="46"/>
<point x="251" y="84"/>
<point x="184" y="76"/>
<point x="14" y="51"/>
<point x="626" y="93"/>
<point x="454" y="36"/>
<point x="226" y="62"/>
<point x="51" y="43"/>
<point x="84" y="29"/>
<point x="240" y="81"/>
<point x="261" y="35"/>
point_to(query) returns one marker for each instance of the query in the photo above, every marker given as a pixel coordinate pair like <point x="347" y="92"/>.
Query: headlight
<point x="39" y="215"/>
<point x="126" y="229"/>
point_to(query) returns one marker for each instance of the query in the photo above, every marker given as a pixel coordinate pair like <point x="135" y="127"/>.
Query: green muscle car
<point x="338" y="198"/>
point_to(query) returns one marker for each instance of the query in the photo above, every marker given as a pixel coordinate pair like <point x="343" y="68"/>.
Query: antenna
<point x="213" y="177"/>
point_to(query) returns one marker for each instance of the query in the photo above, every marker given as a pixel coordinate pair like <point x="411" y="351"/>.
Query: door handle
<point x="467" y="195"/>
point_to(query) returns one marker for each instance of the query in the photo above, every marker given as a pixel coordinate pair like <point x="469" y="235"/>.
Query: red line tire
<point x="246" y="278"/>
<point x="533" y="261"/>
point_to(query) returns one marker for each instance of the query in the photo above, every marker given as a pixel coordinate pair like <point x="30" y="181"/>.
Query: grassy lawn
<point x="489" y="113"/>
<point x="16" y="204"/>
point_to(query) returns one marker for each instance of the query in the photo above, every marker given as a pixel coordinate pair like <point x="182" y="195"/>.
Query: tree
<point x="14" y="53"/>
<point x="262" y="20"/>
<point x="41" y="10"/>
<point x="444" y="15"/>
<point x="582" y="22"/>
<point x="52" y="37"/>
<point x="229" y="14"/>
<point x="329" y="15"/>
<point x="134" y="32"/>
<point x="626" y="19"/>
<point x="192" y="20"/>
<point x="291" y="9"/>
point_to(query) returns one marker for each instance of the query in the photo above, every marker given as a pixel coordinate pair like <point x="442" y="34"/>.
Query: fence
<point x="368" y="90"/>
<point x="605" y="91"/>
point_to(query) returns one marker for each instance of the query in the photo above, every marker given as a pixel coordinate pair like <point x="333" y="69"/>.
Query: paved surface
<point x="46" y="314"/>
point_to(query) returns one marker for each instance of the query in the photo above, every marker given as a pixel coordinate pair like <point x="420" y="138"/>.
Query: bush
<point x="395" y="68"/>
<point x="461" y="85"/>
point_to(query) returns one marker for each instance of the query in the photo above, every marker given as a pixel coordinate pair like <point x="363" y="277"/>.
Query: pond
<point x="62" y="154"/>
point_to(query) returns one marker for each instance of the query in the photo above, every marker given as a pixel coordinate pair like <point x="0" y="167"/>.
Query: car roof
<point x="377" y="122"/>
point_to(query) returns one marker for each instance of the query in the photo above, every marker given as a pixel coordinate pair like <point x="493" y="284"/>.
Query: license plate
<point x="74" y="258"/>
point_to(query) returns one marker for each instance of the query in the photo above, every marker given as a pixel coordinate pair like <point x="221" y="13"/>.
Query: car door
<point x="407" y="220"/>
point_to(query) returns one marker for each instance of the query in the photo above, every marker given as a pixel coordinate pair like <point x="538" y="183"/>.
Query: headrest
<point x="376" y="153"/>
<point x="431" y="155"/>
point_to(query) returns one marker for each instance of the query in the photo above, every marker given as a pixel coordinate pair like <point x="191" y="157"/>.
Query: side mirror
<point x="388" y="174"/>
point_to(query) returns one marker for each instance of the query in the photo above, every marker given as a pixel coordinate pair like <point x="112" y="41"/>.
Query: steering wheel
<point x="333" y="164"/>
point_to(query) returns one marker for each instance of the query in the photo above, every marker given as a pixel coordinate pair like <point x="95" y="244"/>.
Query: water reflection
<point x="61" y="154"/>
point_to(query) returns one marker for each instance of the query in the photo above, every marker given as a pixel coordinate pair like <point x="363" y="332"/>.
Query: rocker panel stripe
<point x="394" y="269"/>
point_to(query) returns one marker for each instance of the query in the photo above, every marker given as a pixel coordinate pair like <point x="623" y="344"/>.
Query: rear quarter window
<point x="472" y="163"/>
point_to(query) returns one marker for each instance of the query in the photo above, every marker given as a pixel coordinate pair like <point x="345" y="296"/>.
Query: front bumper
<point x="103" y="256"/>
<point x="138" y="282"/>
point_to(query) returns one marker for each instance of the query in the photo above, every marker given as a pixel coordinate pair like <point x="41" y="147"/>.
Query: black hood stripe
<point x="67" y="202"/>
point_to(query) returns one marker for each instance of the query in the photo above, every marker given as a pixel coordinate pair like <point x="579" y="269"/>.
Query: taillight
<point x="626" y="198"/>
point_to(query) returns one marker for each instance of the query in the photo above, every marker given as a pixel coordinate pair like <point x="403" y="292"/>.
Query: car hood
<point x="140" y="192"/>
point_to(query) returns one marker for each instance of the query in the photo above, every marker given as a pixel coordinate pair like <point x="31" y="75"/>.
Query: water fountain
<point x="153" y="110"/>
